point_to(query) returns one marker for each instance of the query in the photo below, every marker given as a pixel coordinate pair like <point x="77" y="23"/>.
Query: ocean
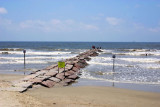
<point x="135" y="62"/>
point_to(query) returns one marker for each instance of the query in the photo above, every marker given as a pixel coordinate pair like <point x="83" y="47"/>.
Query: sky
<point x="80" y="20"/>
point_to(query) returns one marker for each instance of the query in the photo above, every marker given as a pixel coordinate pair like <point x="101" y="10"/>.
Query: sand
<point x="82" y="96"/>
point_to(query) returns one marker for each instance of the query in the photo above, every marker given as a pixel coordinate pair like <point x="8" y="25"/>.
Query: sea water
<point x="136" y="63"/>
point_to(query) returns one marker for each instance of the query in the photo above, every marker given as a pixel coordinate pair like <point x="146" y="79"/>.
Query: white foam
<point x="106" y="64"/>
<point x="27" y="62"/>
<point x="100" y="59"/>
<point x="145" y="60"/>
<point x="150" y="66"/>
<point x="86" y="75"/>
<point x="36" y="57"/>
<point x="38" y="53"/>
<point x="155" y="53"/>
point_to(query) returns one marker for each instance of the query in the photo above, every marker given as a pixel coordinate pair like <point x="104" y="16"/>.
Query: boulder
<point x="62" y="83"/>
<point x="42" y="72"/>
<point x="36" y="80"/>
<point x="51" y="73"/>
<point x="73" y="77"/>
<point x="60" y="76"/>
<point x="68" y="80"/>
<point x="81" y="65"/>
<point x="100" y="50"/>
<point x="24" y="84"/>
<point x="19" y="89"/>
<point x="87" y="58"/>
<point x="43" y="77"/>
<point x="51" y="67"/>
<point x="94" y="54"/>
<point x="70" y="72"/>
<point x="27" y="78"/>
<point x="77" y="65"/>
<point x="48" y="83"/>
<point x="55" y="79"/>
<point x="68" y="67"/>
<point x="75" y="69"/>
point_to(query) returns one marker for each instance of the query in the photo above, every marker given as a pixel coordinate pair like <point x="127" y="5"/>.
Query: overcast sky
<point x="80" y="20"/>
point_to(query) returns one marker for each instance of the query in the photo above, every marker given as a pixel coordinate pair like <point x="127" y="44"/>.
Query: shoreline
<point x="130" y="86"/>
<point x="78" y="96"/>
<point x="82" y="82"/>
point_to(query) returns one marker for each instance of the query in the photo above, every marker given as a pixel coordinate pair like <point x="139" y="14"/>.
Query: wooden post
<point x="114" y="56"/>
<point x="24" y="51"/>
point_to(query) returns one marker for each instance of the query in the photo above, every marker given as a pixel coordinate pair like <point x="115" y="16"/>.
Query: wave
<point x="156" y="53"/>
<point x="36" y="57"/>
<point x="135" y="50"/>
<point x="150" y="66"/>
<point x="11" y="49"/>
<point x="31" y="60"/>
<point x="132" y="52"/>
<point x="86" y="75"/>
<point x="144" y="60"/>
<point x="27" y="62"/>
<point x="106" y="64"/>
<point x="38" y="53"/>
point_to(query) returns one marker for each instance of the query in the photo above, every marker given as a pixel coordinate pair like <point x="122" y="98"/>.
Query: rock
<point x="34" y="72"/>
<point x="81" y="58"/>
<point x="24" y="84"/>
<point x="51" y="67"/>
<point x="44" y="77"/>
<point x="73" y="77"/>
<point x="75" y="69"/>
<point x="62" y="83"/>
<point x="77" y="66"/>
<point x="94" y="54"/>
<point x="58" y="70"/>
<point x="30" y="77"/>
<point x="87" y="58"/>
<point x="42" y="72"/>
<point x="19" y="89"/>
<point x="68" y="73"/>
<point x="60" y="76"/>
<point x="51" y="73"/>
<point x="100" y="50"/>
<point x="48" y="83"/>
<point x="55" y="79"/>
<point x="81" y="65"/>
<point x="36" y="80"/>
<point x="68" y="80"/>
<point x="54" y="70"/>
<point x="68" y="67"/>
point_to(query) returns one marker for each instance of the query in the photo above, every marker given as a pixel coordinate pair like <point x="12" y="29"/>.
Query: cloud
<point x="90" y="27"/>
<point x="56" y="25"/>
<point x="158" y="5"/>
<point x="157" y="29"/>
<point x="137" y="6"/>
<point x="69" y="22"/>
<point x="3" y="10"/>
<point x="113" y="21"/>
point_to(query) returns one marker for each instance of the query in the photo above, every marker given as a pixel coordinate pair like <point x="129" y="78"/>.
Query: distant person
<point x="93" y="47"/>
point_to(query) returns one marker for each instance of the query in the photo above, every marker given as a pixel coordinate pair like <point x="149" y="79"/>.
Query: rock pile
<point x="50" y="76"/>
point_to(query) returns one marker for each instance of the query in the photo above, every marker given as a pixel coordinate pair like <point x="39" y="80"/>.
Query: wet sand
<point x="80" y="96"/>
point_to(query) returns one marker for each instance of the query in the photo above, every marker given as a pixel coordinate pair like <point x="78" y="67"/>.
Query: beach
<point x="80" y="96"/>
<point x="134" y="82"/>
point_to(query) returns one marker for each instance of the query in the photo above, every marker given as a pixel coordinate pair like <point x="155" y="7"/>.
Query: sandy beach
<point x="83" y="96"/>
